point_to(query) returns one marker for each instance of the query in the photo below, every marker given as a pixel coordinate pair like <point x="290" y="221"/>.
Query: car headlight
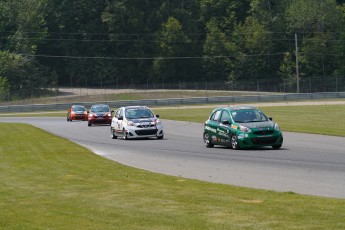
<point x="245" y="129"/>
<point x="158" y="122"/>
<point x="72" y="113"/>
<point x="130" y="123"/>
<point x="276" y="127"/>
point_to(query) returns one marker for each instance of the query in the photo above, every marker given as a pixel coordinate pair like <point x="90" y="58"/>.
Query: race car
<point x="99" y="114"/>
<point x="136" y="122"/>
<point x="77" y="112"/>
<point x="241" y="127"/>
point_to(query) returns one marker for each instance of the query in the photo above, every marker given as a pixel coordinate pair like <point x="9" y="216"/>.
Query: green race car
<point x="241" y="127"/>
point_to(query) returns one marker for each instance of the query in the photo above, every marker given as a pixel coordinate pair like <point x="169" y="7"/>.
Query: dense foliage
<point x="49" y="43"/>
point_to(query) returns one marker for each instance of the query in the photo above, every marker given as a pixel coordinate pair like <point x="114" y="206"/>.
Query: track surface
<point x="306" y="164"/>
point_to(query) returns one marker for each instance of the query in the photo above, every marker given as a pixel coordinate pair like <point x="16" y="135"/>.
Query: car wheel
<point x="124" y="135"/>
<point x="207" y="141"/>
<point x="160" y="137"/>
<point x="234" y="142"/>
<point x="276" y="146"/>
<point x="112" y="132"/>
<point x="88" y="124"/>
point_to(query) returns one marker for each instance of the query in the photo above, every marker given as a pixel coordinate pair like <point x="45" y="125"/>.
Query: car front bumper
<point x="99" y="120"/>
<point x="135" y="132"/>
<point x="250" y="140"/>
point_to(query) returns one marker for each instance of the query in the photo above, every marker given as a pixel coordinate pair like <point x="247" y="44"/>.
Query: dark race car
<point x="99" y="114"/>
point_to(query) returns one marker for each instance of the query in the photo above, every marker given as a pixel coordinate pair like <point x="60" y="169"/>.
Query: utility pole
<point x="297" y="69"/>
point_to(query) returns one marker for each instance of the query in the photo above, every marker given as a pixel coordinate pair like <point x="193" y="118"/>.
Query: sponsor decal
<point x="234" y="126"/>
<point x="223" y="134"/>
<point x="210" y="129"/>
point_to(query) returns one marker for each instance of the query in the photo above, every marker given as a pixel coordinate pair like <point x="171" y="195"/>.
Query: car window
<point x="117" y="113"/>
<point x="225" y="116"/>
<point x="215" y="115"/>
<point x="78" y="108"/>
<point x="100" y="109"/>
<point x="135" y="113"/>
<point x="246" y="116"/>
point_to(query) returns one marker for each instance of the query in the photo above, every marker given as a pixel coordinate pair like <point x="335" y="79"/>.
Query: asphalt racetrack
<point x="306" y="163"/>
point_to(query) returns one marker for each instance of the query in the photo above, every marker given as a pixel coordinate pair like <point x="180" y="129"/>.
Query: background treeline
<point x="50" y="43"/>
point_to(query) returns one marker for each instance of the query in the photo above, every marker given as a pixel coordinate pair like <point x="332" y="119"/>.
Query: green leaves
<point x="96" y="43"/>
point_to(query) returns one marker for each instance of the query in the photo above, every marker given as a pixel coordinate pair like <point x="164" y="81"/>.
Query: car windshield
<point x="135" y="113"/>
<point x="246" y="116"/>
<point x="78" y="108"/>
<point x="100" y="109"/>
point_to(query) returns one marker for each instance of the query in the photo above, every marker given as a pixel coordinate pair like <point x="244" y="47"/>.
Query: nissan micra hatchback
<point x="99" y="114"/>
<point x="241" y="127"/>
<point x="136" y="122"/>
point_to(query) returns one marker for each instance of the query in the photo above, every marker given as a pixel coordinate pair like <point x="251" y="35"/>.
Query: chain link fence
<point x="160" y="90"/>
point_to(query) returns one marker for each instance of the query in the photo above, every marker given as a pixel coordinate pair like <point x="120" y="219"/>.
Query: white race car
<point x="136" y="122"/>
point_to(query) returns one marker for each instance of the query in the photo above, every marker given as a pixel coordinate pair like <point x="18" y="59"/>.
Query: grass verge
<point x="317" y="119"/>
<point x="50" y="183"/>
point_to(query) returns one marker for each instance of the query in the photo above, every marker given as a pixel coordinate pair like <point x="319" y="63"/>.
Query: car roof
<point x="77" y="105"/>
<point x="100" y="105"/>
<point x="136" y="107"/>
<point x="235" y="107"/>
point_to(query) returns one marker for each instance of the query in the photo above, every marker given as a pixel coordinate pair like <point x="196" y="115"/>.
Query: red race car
<point x="99" y="114"/>
<point x="77" y="112"/>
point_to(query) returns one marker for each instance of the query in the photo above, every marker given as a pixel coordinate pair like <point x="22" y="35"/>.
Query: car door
<point x="212" y="125"/>
<point x="223" y="131"/>
<point x="117" y="121"/>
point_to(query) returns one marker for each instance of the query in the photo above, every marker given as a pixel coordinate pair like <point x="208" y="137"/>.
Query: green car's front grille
<point x="263" y="132"/>
<point x="264" y="140"/>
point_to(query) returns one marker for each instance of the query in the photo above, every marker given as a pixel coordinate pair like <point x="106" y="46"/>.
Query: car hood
<point x="101" y="113"/>
<point x="253" y="125"/>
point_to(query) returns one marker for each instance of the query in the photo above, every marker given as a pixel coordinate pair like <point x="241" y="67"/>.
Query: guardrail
<point x="179" y="101"/>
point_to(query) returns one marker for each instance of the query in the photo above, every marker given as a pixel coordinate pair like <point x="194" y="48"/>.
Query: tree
<point x="219" y="53"/>
<point x="317" y="23"/>
<point x="4" y="88"/>
<point x="173" y="47"/>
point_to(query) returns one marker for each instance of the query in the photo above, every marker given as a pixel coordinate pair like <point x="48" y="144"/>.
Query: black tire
<point x="88" y="124"/>
<point x="160" y="137"/>
<point x="276" y="146"/>
<point x="234" y="142"/>
<point x="207" y="140"/>
<point x="112" y="131"/>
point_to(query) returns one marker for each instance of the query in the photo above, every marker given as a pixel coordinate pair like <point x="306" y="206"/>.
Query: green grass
<point x="50" y="183"/>
<point x="318" y="119"/>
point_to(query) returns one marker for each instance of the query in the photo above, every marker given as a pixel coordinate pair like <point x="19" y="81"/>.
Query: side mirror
<point x="270" y="118"/>
<point x="157" y="115"/>
<point x="226" y="122"/>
